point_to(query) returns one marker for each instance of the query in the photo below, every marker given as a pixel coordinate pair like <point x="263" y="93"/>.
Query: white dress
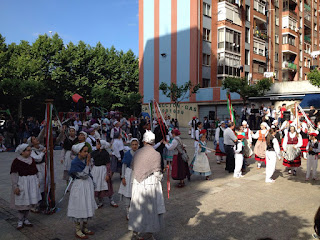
<point x="126" y="191"/>
<point x="29" y="191"/>
<point x="82" y="204"/>
<point x="147" y="205"/>
<point x="99" y="174"/>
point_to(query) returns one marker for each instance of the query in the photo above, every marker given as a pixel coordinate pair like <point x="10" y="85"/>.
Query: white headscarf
<point x="20" y="149"/>
<point x="222" y="122"/>
<point x="149" y="137"/>
<point x="72" y="127"/>
<point x="134" y="139"/>
<point x="77" y="148"/>
<point x="244" y="122"/>
<point x="96" y="125"/>
<point x="104" y="144"/>
<point x="84" y="133"/>
<point x="266" y="125"/>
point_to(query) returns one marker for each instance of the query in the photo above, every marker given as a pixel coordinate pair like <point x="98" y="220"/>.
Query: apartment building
<point x="205" y="41"/>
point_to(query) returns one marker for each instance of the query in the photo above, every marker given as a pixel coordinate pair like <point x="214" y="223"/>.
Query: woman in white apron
<point x="25" y="184"/>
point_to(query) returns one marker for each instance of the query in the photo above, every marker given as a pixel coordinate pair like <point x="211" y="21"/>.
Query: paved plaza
<point x="224" y="208"/>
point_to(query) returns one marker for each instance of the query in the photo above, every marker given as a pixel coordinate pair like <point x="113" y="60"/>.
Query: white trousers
<point x="192" y="133"/>
<point x="271" y="160"/>
<point x="238" y="164"/>
<point x="312" y="164"/>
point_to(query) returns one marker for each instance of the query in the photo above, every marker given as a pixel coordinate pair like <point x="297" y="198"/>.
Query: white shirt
<point x="238" y="148"/>
<point x="217" y="135"/>
<point x="173" y="146"/>
<point x="90" y="139"/>
<point x="291" y="135"/>
<point x="256" y="135"/>
<point x="117" y="146"/>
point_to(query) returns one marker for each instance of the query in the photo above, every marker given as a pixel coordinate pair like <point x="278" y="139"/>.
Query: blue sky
<point x="112" y="22"/>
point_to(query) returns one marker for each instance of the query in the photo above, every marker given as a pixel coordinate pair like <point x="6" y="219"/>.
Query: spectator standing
<point x="230" y="138"/>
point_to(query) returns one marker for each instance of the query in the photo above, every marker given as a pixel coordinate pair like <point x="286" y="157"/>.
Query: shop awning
<point x="311" y="100"/>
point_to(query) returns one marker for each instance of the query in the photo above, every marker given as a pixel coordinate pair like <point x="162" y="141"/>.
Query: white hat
<point x="84" y="133"/>
<point x="96" y="125"/>
<point x="266" y="125"/>
<point x="273" y="126"/>
<point x="244" y="122"/>
<point x="114" y="123"/>
<point x="77" y="148"/>
<point x="274" y="121"/>
<point x="21" y="148"/>
<point x="72" y="127"/>
<point x="149" y="137"/>
<point x="104" y="144"/>
<point x="222" y="122"/>
<point x="134" y="139"/>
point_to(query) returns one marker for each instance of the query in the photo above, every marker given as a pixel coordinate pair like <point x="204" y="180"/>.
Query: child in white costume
<point x="25" y="184"/>
<point x="125" y="189"/>
<point x="272" y="154"/>
<point x="82" y="205"/>
<point x="238" y="155"/>
<point x="313" y="149"/>
<point x="200" y="163"/>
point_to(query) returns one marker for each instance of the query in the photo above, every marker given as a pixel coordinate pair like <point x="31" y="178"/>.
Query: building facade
<point x="205" y="41"/>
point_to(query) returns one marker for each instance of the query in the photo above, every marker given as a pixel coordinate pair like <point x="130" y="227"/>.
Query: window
<point x="221" y="38"/>
<point x="315" y="27"/>
<point x="247" y="57"/>
<point x="288" y="22"/>
<point x="259" y="48"/>
<point x="305" y="62"/>
<point x="276" y="3"/>
<point x="289" y="39"/>
<point x="276" y="74"/>
<point x="248" y="13"/>
<point x="276" y="38"/>
<point x="233" y="41"/>
<point x="309" y="63"/>
<point x="276" y="57"/>
<point x="205" y="82"/>
<point x="206" y="59"/>
<point x="300" y="55"/>
<point x="229" y="64"/>
<point x="206" y="10"/>
<point x="301" y="6"/>
<point x="261" y="69"/>
<point x="206" y="34"/>
<point x="277" y="21"/>
<point x="300" y="71"/>
<point x="260" y="6"/>
<point x="247" y="37"/>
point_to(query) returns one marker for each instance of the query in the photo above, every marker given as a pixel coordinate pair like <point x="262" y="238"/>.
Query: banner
<point x="230" y="108"/>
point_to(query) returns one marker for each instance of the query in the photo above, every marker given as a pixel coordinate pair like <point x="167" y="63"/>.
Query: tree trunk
<point x="20" y="108"/>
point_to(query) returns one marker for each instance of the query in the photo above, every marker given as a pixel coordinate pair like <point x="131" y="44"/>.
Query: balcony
<point x="289" y="12"/>
<point x="307" y="39"/>
<point x="260" y="34"/>
<point x="289" y="66"/>
<point x="307" y="7"/>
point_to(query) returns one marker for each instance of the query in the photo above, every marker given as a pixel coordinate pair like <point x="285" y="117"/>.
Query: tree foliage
<point x="178" y="93"/>
<point x="314" y="77"/>
<point x="246" y="90"/>
<point x="49" y="68"/>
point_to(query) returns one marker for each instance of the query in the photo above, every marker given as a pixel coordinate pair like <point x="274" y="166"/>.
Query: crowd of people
<point x="94" y="152"/>
<point x="97" y="150"/>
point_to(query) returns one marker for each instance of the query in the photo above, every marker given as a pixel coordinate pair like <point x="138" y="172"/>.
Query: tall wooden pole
<point x="52" y="184"/>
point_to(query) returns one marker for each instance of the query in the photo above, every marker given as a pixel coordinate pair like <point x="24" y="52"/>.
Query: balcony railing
<point x="307" y="39"/>
<point x="307" y="7"/>
<point x="260" y="35"/>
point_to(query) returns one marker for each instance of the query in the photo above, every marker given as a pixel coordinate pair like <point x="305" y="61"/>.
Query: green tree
<point x="246" y="90"/>
<point x="22" y="80"/>
<point x="314" y="77"/>
<point x="178" y="93"/>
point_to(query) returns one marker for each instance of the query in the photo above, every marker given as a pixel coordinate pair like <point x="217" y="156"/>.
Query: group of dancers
<point x="289" y="141"/>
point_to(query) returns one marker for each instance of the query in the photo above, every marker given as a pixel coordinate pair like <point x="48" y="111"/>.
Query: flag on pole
<point x="230" y="108"/>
